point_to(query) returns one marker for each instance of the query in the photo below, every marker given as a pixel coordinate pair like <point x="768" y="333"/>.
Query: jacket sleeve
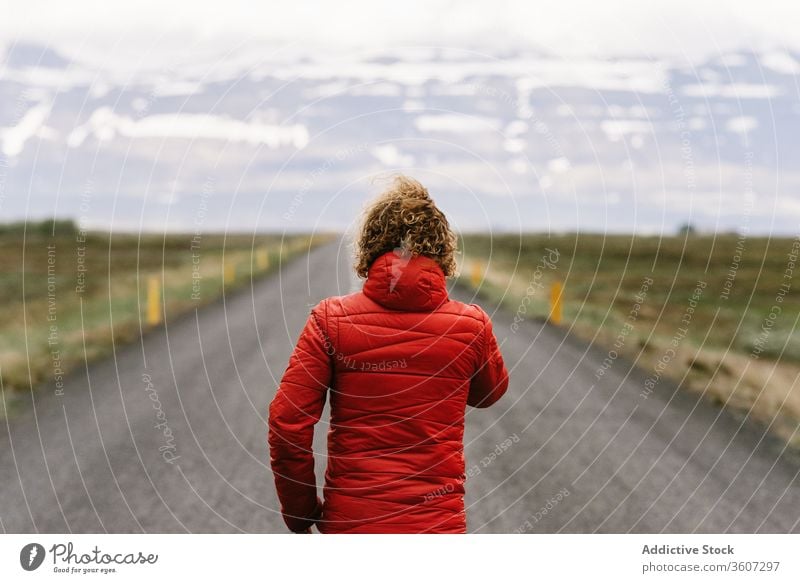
<point x="294" y="411"/>
<point x="490" y="381"/>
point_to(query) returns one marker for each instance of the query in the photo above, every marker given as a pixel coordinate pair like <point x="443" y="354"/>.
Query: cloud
<point x="104" y="124"/>
<point x="13" y="139"/>
<point x="682" y="28"/>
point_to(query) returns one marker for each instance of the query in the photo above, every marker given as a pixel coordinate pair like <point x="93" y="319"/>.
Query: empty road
<point x="169" y="435"/>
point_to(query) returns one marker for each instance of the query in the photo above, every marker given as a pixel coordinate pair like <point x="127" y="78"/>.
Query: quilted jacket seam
<point x="384" y="312"/>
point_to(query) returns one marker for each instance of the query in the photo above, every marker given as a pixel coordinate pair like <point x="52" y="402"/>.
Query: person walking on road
<point x="401" y="361"/>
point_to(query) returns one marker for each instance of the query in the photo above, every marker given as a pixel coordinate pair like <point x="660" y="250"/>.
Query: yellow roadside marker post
<point x="476" y="274"/>
<point x="262" y="259"/>
<point x="153" y="300"/>
<point x="230" y="273"/>
<point x="556" y="293"/>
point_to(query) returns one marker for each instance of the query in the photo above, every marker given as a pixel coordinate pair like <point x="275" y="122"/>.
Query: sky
<point x="150" y="48"/>
<point x="691" y="29"/>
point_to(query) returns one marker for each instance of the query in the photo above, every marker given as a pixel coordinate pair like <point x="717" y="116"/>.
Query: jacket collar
<point x="412" y="283"/>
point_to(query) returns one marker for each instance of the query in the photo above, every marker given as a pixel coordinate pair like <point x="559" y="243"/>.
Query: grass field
<point x="67" y="296"/>
<point x="716" y="314"/>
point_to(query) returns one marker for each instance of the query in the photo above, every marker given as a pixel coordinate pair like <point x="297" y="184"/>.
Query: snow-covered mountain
<point x="279" y="139"/>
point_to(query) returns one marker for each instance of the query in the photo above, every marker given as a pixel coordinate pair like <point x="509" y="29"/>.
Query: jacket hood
<point x="412" y="283"/>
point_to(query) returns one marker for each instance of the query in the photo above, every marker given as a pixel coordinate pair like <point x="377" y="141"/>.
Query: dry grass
<point x="50" y="325"/>
<point x="722" y="352"/>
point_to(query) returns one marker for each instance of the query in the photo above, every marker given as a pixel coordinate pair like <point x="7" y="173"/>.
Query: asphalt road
<point x="169" y="435"/>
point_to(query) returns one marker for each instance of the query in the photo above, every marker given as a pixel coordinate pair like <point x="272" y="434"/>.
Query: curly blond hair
<point x="405" y="217"/>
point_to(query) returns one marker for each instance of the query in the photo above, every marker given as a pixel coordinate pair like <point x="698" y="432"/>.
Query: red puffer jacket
<point x="402" y="361"/>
